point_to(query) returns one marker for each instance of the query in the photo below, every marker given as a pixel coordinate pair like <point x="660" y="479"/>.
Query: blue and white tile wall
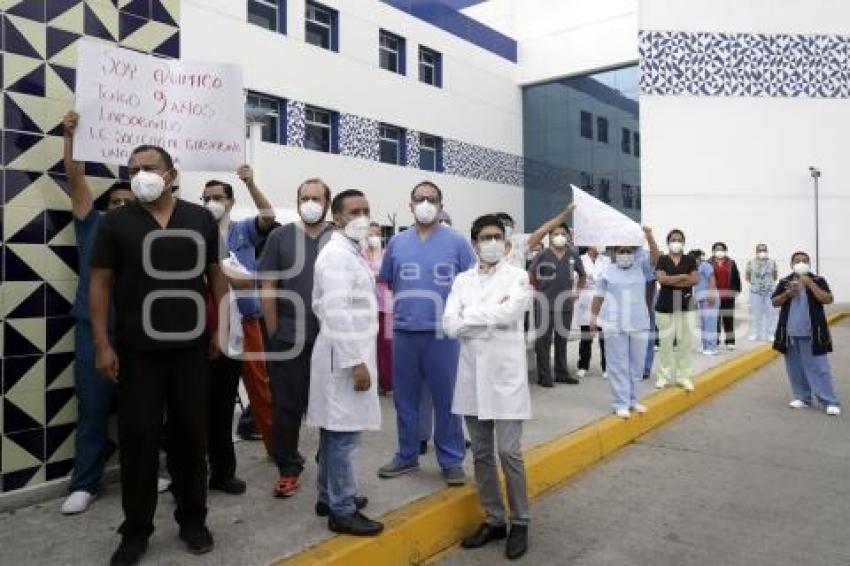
<point x="412" y="141"/>
<point x="744" y="64"/>
<point x="295" y="123"/>
<point x="476" y="162"/>
<point x="358" y="137"/>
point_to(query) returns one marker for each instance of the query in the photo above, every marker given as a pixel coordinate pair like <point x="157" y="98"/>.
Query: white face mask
<point x="676" y="247"/>
<point x="802" y="268"/>
<point x="559" y="241"/>
<point x="147" y="186"/>
<point x="625" y="261"/>
<point x="762" y="255"/>
<point x="357" y="229"/>
<point x="720" y="254"/>
<point x="374" y="242"/>
<point x="425" y="212"/>
<point x="311" y="212"/>
<point x="216" y="208"/>
<point x="491" y="251"/>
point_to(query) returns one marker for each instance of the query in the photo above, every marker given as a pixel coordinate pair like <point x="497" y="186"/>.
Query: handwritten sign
<point x="598" y="224"/>
<point x="125" y="99"/>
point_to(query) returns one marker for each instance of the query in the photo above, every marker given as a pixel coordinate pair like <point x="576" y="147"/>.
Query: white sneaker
<point x="685" y="384"/>
<point x="660" y="383"/>
<point x="604" y="375"/>
<point x="581" y="373"/>
<point x="656" y="348"/>
<point x="162" y="485"/>
<point x="833" y="410"/>
<point x="639" y="409"/>
<point x="623" y="413"/>
<point x="710" y="352"/>
<point x="77" y="502"/>
<point x="797" y="404"/>
<point x="731" y="347"/>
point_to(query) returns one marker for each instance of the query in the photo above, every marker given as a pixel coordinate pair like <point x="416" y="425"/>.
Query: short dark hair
<point x="427" y="184"/>
<point x="339" y="199"/>
<point x="228" y="188"/>
<point x="674" y="232"/>
<point x="116" y="186"/>
<point x="696" y="254"/>
<point x="564" y="226"/>
<point x="375" y="224"/>
<point x="483" y="222"/>
<point x="169" y="162"/>
<point x="719" y="245"/>
<point x="795" y="254"/>
<point x="505" y="218"/>
<point x="316" y="181"/>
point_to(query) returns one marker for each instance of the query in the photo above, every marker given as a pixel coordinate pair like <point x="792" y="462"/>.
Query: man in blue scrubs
<point x="420" y="265"/>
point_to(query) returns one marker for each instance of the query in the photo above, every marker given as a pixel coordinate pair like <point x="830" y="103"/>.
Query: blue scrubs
<point x="421" y="274"/>
<point x="708" y="313"/>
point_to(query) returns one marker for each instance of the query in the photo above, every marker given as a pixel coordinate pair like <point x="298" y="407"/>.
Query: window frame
<point x="586" y="133"/>
<point x="436" y="66"/>
<point x="279" y="7"/>
<point x="636" y="143"/>
<point x="400" y="53"/>
<point x="600" y="122"/>
<point x="626" y="140"/>
<point x="437" y="149"/>
<point x="332" y="26"/>
<point x="279" y="108"/>
<point x="399" y="141"/>
<point x="332" y="127"/>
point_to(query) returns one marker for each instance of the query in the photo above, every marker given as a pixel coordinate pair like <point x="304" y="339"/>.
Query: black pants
<point x="290" y="387"/>
<point x="149" y="384"/>
<point x="726" y="320"/>
<point x="552" y="326"/>
<point x="584" y="348"/>
<point x="224" y="382"/>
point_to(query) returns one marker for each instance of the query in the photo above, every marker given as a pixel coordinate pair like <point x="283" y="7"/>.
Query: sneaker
<point x="517" y="544"/>
<point x="233" y="485"/>
<point x="358" y="525"/>
<point x="286" y="486"/>
<point x="660" y="383"/>
<point x="581" y="373"/>
<point x="485" y="533"/>
<point x="685" y="383"/>
<point x="798" y="404"/>
<point x="604" y="375"/>
<point x="833" y="410"/>
<point x="639" y="409"/>
<point x="77" y="502"/>
<point x="162" y="485"/>
<point x="711" y="352"/>
<point x="395" y="469"/>
<point x="324" y="510"/>
<point x="198" y="540"/>
<point x="568" y="379"/>
<point x="623" y="413"/>
<point x="731" y="347"/>
<point x="454" y="477"/>
<point x="130" y="551"/>
<point x="656" y="348"/>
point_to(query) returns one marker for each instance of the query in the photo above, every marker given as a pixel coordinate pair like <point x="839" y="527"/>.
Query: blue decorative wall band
<point x="744" y="64"/>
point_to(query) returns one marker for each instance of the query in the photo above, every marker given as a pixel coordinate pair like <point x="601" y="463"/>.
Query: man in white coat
<point x="343" y="378"/>
<point x="485" y="310"/>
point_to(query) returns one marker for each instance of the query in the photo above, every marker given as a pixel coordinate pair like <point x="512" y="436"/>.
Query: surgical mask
<point x="147" y="185"/>
<point x="762" y="255"/>
<point x="491" y="251"/>
<point x="311" y="212"/>
<point x="559" y="241"/>
<point x="802" y="268"/>
<point x="425" y="212"/>
<point x="374" y="242"/>
<point x="509" y="231"/>
<point x="216" y="208"/>
<point x="676" y="247"/>
<point x="719" y="254"/>
<point x="625" y="261"/>
<point x="357" y="229"/>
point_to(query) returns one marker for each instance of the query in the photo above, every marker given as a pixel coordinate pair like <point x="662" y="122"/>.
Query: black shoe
<point x="546" y="383"/>
<point x="358" y="525"/>
<point x="198" y="540"/>
<point x="485" y="533"/>
<point x="646" y="376"/>
<point x="568" y="379"/>
<point x="323" y="510"/>
<point x="517" y="544"/>
<point x="233" y="485"/>
<point x="130" y="551"/>
<point x="423" y="447"/>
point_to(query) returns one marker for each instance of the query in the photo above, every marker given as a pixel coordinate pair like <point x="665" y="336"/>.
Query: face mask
<point x="719" y="254"/>
<point x="425" y="212"/>
<point x="509" y="231"/>
<point x="147" y="186"/>
<point x="491" y="251"/>
<point x="762" y="255"/>
<point x="559" y="241"/>
<point x="625" y="261"/>
<point x="676" y="247"/>
<point x="311" y="212"/>
<point x="802" y="268"/>
<point x="357" y="229"/>
<point x="374" y="242"/>
<point x="216" y="208"/>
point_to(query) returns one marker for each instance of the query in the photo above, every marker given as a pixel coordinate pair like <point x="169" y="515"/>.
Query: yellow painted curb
<point x="422" y="529"/>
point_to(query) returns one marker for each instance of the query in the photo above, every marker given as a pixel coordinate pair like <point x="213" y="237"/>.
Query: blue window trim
<point x="402" y="50"/>
<point x="281" y="113"/>
<point x="334" y="14"/>
<point x="281" y="15"/>
<point x="439" y="166"/>
<point x="438" y="65"/>
<point x="334" y="131"/>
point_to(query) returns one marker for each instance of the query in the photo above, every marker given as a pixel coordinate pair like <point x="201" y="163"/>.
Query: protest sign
<point x="195" y="111"/>
<point x="598" y="224"/>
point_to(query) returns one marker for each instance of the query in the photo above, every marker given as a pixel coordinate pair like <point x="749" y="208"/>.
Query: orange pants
<point x="255" y="377"/>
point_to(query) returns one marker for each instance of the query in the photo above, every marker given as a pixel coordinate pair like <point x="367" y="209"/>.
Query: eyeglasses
<point x="490" y="238"/>
<point x="216" y="198"/>
<point x="422" y="198"/>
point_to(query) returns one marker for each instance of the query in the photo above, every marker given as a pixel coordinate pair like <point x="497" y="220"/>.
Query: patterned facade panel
<point x="744" y="64"/>
<point x="412" y="147"/>
<point x="295" y="123"/>
<point x="476" y="162"/>
<point x="358" y="137"/>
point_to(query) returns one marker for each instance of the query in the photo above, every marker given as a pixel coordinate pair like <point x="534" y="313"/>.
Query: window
<point x="392" y="144"/>
<point x="586" y="125"/>
<point x="430" y="67"/>
<point x="322" y="26"/>
<point x="636" y="144"/>
<point x="269" y="14"/>
<point x="319" y="129"/>
<point x="430" y="153"/>
<point x="626" y="141"/>
<point x="605" y="190"/>
<point x="272" y="132"/>
<point x="602" y="129"/>
<point x="391" y="52"/>
<point x="637" y="198"/>
<point x="628" y="196"/>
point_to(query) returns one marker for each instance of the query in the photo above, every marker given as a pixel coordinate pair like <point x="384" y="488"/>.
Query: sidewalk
<point x="256" y="528"/>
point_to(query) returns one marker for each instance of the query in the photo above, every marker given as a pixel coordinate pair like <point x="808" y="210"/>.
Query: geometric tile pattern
<point x="412" y="141"/>
<point x="359" y="137"/>
<point x="38" y="256"/>
<point x="476" y="162"/>
<point x="295" y="123"/>
<point x="744" y="64"/>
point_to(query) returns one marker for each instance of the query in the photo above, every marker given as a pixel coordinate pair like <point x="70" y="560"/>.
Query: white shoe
<point x="710" y="352"/>
<point x="660" y="383"/>
<point x="656" y="348"/>
<point x="685" y="384"/>
<point x="731" y="347"/>
<point x="797" y="404"/>
<point x="604" y="375"/>
<point x="639" y="409"/>
<point x="162" y="485"/>
<point x="833" y="410"/>
<point x="77" y="502"/>
<point x="623" y="413"/>
<point x="581" y="373"/>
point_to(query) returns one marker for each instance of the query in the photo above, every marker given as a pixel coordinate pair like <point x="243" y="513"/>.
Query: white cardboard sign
<point x="598" y="224"/>
<point x="195" y="111"/>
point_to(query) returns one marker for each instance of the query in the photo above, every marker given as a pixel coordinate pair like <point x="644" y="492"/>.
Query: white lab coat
<point x="344" y="302"/>
<point x="486" y="313"/>
<point x="593" y="270"/>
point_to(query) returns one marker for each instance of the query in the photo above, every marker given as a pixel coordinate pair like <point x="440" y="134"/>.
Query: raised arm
<point x="538" y="235"/>
<point x="654" y="250"/>
<point x="265" y="219"/>
<point x="82" y="199"/>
